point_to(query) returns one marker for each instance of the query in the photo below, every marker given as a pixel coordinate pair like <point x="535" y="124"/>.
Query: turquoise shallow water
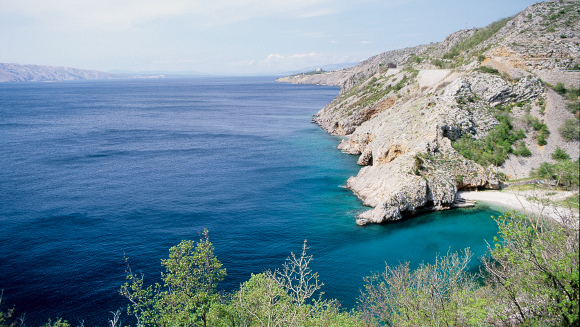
<point x="92" y="170"/>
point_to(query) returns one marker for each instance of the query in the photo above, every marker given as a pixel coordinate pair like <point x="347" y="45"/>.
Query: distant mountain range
<point x="35" y="73"/>
<point x="185" y="73"/>
<point x="30" y="73"/>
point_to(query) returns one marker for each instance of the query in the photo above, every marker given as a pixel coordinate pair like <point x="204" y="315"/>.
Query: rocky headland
<point x="402" y="111"/>
<point x="36" y="73"/>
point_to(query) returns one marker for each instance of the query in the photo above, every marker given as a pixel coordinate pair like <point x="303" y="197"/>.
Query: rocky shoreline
<point x="400" y="111"/>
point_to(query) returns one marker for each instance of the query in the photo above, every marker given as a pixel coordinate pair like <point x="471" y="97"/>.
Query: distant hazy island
<point x="35" y="73"/>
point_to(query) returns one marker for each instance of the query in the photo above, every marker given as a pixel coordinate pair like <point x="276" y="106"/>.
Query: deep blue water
<point x="93" y="170"/>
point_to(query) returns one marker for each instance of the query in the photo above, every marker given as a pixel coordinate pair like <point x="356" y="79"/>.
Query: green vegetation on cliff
<point x="495" y="147"/>
<point x="478" y="37"/>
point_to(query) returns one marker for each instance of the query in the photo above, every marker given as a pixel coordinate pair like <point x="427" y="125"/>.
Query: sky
<point x="229" y="37"/>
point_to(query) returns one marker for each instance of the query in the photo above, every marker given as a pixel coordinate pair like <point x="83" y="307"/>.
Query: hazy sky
<point x="228" y="36"/>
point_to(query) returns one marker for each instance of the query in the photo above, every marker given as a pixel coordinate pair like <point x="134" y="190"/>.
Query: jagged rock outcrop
<point x="494" y="90"/>
<point x="402" y="121"/>
<point x="410" y="163"/>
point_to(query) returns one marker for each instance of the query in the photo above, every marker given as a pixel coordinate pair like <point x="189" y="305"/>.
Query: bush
<point x="534" y="266"/>
<point x="530" y="278"/>
<point x="495" y="148"/>
<point x="560" y="88"/>
<point x="560" y="154"/>
<point x="522" y="150"/>
<point x="569" y="130"/>
<point x="427" y="296"/>
<point x="542" y="140"/>
<point x="574" y="107"/>
<point x="477" y="38"/>
<point x="543" y="131"/>
<point x="487" y="69"/>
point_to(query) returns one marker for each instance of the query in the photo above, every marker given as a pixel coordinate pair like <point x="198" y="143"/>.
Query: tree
<point x="262" y="302"/>
<point x="297" y="278"/>
<point x="534" y="268"/>
<point x="283" y="298"/>
<point x="431" y="295"/>
<point x="545" y="170"/>
<point x="191" y="276"/>
<point x="566" y="172"/>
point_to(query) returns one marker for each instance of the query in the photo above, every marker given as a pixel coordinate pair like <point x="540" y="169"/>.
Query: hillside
<point x="414" y="115"/>
<point x="35" y="73"/>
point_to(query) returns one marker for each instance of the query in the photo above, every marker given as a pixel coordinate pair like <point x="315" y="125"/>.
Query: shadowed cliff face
<point x="402" y="121"/>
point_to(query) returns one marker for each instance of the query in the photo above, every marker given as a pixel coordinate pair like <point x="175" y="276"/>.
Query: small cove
<point x="92" y="170"/>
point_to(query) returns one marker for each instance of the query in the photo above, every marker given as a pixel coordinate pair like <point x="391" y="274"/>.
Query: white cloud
<point x="293" y="57"/>
<point x="366" y="42"/>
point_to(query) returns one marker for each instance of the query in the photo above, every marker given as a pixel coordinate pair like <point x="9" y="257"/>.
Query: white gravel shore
<point x="518" y="200"/>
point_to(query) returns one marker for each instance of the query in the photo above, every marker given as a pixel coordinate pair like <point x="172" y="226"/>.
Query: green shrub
<point x="569" y="130"/>
<point x="452" y="53"/>
<point x="536" y="124"/>
<point x="534" y="265"/>
<point x="560" y="154"/>
<point x="542" y="140"/>
<point x="573" y="107"/>
<point x="530" y="278"/>
<point x="439" y="63"/>
<point x="487" y="69"/>
<point x="560" y="88"/>
<point x="495" y="148"/>
<point x="477" y="38"/>
<point x="522" y="150"/>
<point x="528" y="119"/>
<point x="542" y="130"/>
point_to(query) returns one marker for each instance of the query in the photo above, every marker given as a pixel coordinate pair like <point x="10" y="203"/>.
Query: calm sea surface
<point x="93" y="170"/>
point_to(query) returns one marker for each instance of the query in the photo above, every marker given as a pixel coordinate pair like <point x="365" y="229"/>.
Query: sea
<point x="93" y="172"/>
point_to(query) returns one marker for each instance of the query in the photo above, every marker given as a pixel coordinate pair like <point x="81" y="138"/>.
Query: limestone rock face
<point x="400" y="115"/>
<point x="495" y="90"/>
<point x="410" y="163"/>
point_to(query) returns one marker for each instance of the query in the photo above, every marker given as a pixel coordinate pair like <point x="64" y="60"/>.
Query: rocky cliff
<point x="401" y="110"/>
<point x="28" y="73"/>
